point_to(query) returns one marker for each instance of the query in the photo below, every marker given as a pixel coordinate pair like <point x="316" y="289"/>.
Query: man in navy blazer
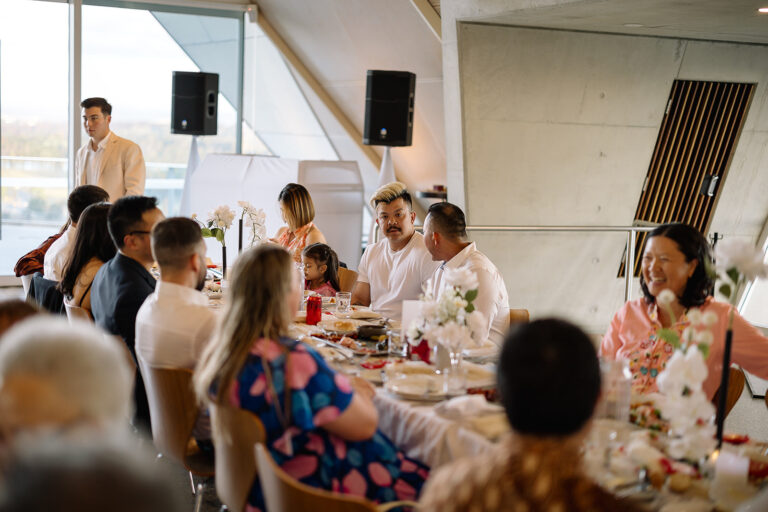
<point x="123" y="283"/>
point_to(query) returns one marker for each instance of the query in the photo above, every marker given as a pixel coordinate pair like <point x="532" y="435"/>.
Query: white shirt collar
<point x="180" y="293"/>
<point x="458" y="260"/>
<point x="101" y="145"/>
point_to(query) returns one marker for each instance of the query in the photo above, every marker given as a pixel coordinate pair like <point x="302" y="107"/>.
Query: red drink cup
<point x="314" y="309"/>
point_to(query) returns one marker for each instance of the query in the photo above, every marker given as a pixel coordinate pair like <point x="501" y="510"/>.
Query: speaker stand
<point x="192" y="163"/>
<point x="387" y="170"/>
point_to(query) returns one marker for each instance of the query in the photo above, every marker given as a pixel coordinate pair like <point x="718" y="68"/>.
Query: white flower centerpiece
<point x="684" y="404"/>
<point x="450" y="321"/>
<point x="216" y="226"/>
<point x="256" y="219"/>
<point x="738" y="262"/>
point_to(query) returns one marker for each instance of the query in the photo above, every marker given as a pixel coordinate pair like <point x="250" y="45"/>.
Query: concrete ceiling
<point x="339" y="40"/>
<point x="718" y="20"/>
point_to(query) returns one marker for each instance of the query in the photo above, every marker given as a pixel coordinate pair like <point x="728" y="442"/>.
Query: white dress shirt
<point x="173" y="326"/>
<point x="57" y="255"/>
<point x="395" y="276"/>
<point x="492" y="299"/>
<point x="93" y="159"/>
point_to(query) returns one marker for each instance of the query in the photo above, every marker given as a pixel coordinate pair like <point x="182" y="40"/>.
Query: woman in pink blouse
<point x="674" y="259"/>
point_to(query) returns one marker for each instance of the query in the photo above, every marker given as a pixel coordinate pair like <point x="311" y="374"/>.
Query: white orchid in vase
<point x="684" y="404"/>
<point x="216" y="226"/>
<point x="256" y="219"/>
<point x="451" y="319"/>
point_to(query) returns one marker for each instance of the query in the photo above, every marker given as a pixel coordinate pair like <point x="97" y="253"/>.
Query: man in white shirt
<point x="111" y="162"/>
<point x="445" y="237"/>
<point x="395" y="268"/>
<point x="57" y="255"/>
<point x="174" y="324"/>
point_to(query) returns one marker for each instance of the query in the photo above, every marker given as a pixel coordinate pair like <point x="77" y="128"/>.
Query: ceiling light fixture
<point x="763" y="10"/>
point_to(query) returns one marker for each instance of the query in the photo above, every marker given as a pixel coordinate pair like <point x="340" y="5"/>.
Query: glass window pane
<point x="33" y="125"/>
<point x="129" y="56"/>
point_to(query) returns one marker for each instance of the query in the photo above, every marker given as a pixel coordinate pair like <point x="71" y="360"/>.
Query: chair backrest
<point x="172" y="408"/>
<point x="282" y="493"/>
<point x="77" y="312"/>
<point x="25" y="281"/>
<point x="235" y="433"/>
<point x="736" y="380"/>
<point x="347" y="279"/>
<point x="45" y="294"/>
<point x="519" y="316"/>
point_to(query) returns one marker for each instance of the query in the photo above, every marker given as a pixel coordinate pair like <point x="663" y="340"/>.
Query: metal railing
<point x="631" y="231"/>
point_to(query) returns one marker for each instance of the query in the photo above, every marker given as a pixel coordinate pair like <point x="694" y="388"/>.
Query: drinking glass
<point x="343" y="300"/>
<point x="397" y="344"/>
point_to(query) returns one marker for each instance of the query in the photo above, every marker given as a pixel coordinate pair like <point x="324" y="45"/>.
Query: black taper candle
<point x="240" y="236"/>
<point x="721" y="403"/>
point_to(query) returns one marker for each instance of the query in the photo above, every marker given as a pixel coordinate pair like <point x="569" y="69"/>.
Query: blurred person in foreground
<point x="675" y="260"/>
<point x="57" y="376"/>
<point x="13" y="311"/>
<point x="85" y="475"/>
<point x="321" y="426"/>
<point x="549" y="381"/>
<point x="92" y="248"/>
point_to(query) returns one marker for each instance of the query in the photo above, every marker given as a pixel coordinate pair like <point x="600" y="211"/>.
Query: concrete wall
<point x="558" y="127"/>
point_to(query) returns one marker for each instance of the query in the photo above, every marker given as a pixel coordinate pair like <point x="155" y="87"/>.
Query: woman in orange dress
<point x="298" y="212"/>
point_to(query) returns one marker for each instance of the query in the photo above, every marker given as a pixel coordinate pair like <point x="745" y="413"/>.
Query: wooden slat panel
<point x="697" y="138"/>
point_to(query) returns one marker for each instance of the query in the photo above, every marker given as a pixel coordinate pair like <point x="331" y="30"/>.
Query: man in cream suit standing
<point x="111" y="162"/>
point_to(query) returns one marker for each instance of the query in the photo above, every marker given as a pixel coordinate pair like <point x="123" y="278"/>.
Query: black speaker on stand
<point x="389" y="100"/>
<point x="194" y="105"/>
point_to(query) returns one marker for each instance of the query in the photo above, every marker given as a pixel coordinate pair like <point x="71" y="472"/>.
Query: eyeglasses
<point x="132" y="233"/>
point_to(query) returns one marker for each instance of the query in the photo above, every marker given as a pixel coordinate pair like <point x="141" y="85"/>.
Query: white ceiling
<point x="719" y="20"/>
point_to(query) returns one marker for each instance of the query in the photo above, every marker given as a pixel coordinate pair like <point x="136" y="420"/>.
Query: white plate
<point x="417" y="387"/>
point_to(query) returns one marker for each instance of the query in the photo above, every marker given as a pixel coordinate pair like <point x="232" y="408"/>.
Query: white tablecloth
<point x="416" y="429"/>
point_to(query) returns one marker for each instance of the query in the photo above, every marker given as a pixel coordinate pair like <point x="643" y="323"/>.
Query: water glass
<point x="343" y="301"/>
<point x="397" y="344"/>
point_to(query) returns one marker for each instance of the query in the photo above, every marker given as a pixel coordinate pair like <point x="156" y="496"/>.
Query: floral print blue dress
<point x="374" y="468"/>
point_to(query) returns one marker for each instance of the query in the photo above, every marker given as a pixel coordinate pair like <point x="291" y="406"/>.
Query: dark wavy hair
<point x="324" y="255"/>
<point x="694" y="246"/>
<point x="548" y="378"/>
<point x="92" y="240"/>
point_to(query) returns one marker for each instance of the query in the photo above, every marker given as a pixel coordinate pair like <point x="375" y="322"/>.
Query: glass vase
<point x="454" y="374"/>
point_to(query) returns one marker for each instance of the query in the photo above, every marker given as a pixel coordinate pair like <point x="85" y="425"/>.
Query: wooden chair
<point x="173" y="411"/>
<point x="235" y="433"/>
<point x="519" y="316"/>
<point x="77" y="312"/>
<point x="736" y="380"/>
<point x="347" y="279"/>
<point x="284" y="494"/>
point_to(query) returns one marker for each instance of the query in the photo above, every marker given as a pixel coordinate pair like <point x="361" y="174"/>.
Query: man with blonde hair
<point x="395" y="268"/>
<point x="58" y="376"/>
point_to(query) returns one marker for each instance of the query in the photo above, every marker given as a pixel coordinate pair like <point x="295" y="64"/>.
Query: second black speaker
<point x="194" y="106"/>
<point x="389" y="100"/>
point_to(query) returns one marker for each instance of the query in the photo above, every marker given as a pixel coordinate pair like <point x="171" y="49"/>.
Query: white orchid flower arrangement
<point x="451" y="319"/>
<point x="217" y="223"/>
<point x="256" y="219"/>
<point x="738" y="262"/>
<point x="684" y="405"/>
